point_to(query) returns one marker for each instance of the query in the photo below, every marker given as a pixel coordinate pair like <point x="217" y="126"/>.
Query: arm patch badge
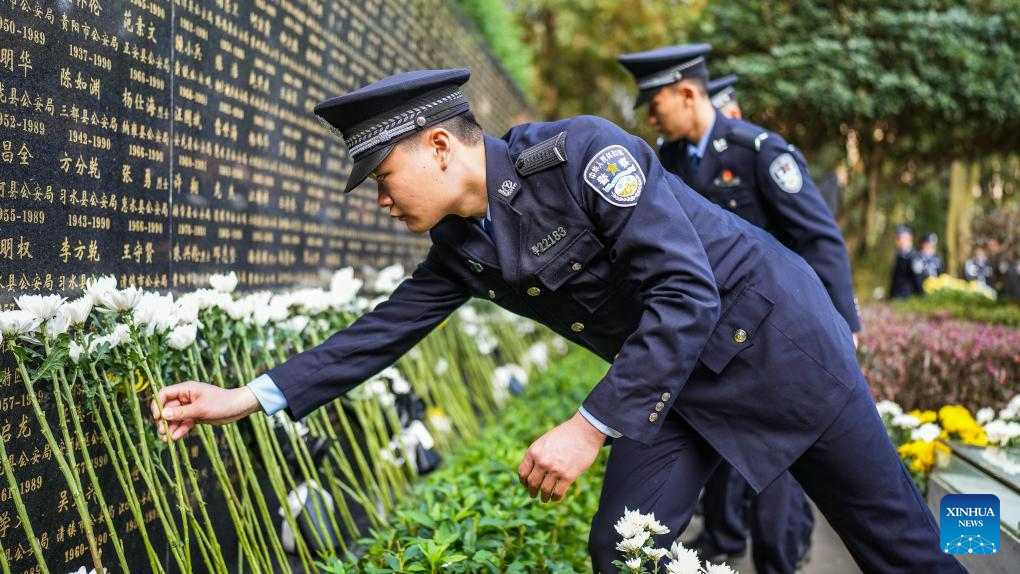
<point x="615" y="174"/>
<point x="786" y="173"/>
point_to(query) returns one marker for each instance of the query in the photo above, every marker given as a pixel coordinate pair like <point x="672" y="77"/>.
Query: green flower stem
<point x="58" y="456"/>
<point x="117" y="422"/>
<point x="26" y="524"/>
<point x="118" y="547"/>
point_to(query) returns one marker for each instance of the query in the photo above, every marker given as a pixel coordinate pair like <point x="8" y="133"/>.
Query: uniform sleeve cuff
<point x="268" y="394"/>
<point x="598" y="424"/>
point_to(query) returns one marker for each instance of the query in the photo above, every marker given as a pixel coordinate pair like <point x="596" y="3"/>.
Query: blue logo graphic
<point x="969" y="524"/>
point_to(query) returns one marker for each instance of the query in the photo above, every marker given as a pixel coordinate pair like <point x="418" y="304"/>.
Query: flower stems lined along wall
<point x="88" y="482"/>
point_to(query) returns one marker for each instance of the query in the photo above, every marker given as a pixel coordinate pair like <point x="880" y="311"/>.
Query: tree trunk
<point x="875" y="162"/>
<point x="962" y="179"/>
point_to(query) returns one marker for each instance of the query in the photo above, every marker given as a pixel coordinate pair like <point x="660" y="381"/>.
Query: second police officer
<point x="755" y="174"/>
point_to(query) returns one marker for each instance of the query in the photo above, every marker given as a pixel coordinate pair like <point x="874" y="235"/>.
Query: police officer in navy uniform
<point x="723" y="343"/>
<point x="906" y="274"/>
<point x="723" y="95"/>
<point x="756" y="175"/>
<point x="930" y="262"/>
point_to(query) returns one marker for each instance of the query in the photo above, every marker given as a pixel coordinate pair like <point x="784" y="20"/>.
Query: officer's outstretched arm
<point x="633" y="203"/>
<point x="373" y="342"/>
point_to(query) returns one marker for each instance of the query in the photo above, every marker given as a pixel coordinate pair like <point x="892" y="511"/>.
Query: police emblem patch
<point x="615" y="174"/>
<point x="786" y="173"/>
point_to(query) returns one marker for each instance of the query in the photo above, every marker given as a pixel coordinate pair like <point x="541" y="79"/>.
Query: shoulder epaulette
<point x="748" y="136"/>
<point x="542" y="156"/>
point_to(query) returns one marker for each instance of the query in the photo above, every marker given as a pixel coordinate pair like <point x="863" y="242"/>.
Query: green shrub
<point x="965" y="306"/>
<point x="474" y="516"/>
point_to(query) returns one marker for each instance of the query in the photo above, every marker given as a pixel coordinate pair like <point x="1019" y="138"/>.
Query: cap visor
<point x="364" y="165"/>
<point x="644" y="96"/>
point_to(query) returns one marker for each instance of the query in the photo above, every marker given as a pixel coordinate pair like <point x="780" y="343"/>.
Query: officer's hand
<point x="188" y="403"/>
<point x="557" y="458"/>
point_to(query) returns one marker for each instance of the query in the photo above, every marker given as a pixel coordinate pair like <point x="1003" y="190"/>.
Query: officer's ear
<point x="440" y="142"/>
<point x="687" y="91"/>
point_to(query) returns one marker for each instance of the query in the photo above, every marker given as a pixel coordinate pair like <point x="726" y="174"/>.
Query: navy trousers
<point x="852" y="473"/>
<point x="779" y="519"/>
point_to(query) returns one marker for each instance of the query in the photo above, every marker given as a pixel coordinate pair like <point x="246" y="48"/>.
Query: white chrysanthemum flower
<point x="654" y="526"/>
<point x="240" y="310"/>
<point x="718" y="569"/>
<point x="389" y="278"/>
<point x="18" y="323"/>
<point x="927" y="432"/>
<point x="633" y="563"/>
<point x="223" y="283"/>
<point x="58" y="324"/>
<point x="906" y="421"/>
<point x="398" y="384"/>
<point x="155" y="313"/>
<point x="77" y="311"/>
<point x="684" y="560"/>
<point x="121" y="334"/>
<point x="183" y="336"/>
<point x="630" y="524"/>
<point x="1002" y="432"/>
<point x="439" y="421"/>
<point x="503" y="375"/>
<point x="560" y="345"/>
<point x="119" y="300"/>
<point x="985" y="415"/>
<point x="75" y="351"/>
<point x="537" y="355"/>
<point x="442" y="365"/>
<point x="634" y="543"/>
<point x="656" y="554"/>
<point x="99" y="286"/>
<point x="40" y="306"/>
<point x="297" y="323"/>
<point x="889" y="408"/>
<point x="344" y="287"/>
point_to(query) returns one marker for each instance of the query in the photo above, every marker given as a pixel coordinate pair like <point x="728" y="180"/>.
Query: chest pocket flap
<point x="737" y="329"/>
<point x="582" y="270"/>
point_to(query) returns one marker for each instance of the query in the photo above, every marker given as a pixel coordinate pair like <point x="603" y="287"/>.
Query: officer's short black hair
<point x="464" y="126"/>
<point x="699" y="82"/>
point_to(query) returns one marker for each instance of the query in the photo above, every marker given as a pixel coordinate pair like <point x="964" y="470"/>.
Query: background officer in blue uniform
<point x="723" y="343"/>
<point x="906" y="273"/>
<point x="753" y="173"/>
<point x="723" y="95"/>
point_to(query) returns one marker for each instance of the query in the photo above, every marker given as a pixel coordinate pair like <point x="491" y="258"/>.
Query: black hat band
<point x="674" y="74"/>
<point x="394" y="124"/>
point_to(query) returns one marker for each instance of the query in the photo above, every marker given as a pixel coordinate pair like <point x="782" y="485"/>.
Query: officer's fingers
<point x="180" y="391"/>
<point x="548" y="484"/>
<point x="182" y="429"/>
<point x="181" y="412"/>
<point x="561" y="489"/>
<point x="525" y="469"/>
<point x="535" y="480"/>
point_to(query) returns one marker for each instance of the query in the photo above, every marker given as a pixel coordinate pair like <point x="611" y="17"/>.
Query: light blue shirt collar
<point x="703" y="143"/>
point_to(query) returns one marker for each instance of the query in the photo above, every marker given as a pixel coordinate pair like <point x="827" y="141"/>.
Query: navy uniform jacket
<point x="697" y="310"/>
<point x="735" y="174"/>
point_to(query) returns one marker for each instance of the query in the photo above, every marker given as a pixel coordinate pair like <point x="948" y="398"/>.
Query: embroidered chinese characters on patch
<point x="616" y="176"/>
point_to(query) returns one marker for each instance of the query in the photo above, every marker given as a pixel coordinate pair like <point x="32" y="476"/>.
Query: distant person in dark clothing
<point x="907" y="269"/>
<point x="931" y="263"/>
<point x="977" y="268"/>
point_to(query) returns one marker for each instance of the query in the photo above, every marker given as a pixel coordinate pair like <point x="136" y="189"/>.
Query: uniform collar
<point x="503" y="186"/>
<point x="705" y="138"/>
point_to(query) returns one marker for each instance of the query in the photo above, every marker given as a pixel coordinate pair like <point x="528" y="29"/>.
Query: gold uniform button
<point x="492" y="294"/>
<point x="534" y="291"/>
<point x="659" y="407"/>
<point x="653" y="417"/>
<point x="665" y="397"/>
<point x="575" y="266"/>
<point x="740" y="335"/>
<point x="577" y="327"/>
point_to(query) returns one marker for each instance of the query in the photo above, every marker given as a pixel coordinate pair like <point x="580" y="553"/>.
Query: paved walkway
<point x="828" y="554"/>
